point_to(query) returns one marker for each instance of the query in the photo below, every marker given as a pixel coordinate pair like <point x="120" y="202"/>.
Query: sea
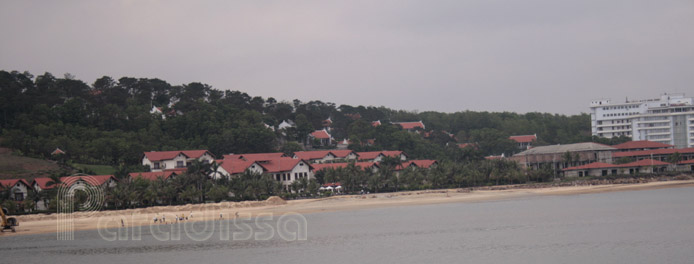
<point x="645" y="226"/>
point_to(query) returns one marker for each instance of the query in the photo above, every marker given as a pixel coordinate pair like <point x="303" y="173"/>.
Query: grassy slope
<point x="17" y="167"/>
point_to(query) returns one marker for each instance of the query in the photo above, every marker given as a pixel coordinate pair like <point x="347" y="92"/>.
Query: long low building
<point x="605" y="169"/>
<point x="555" y="156"/>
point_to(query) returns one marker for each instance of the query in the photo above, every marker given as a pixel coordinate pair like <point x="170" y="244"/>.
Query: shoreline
<point x="41" y="224"/>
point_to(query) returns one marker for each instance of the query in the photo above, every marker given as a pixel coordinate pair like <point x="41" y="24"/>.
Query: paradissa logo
<point x="289" y="227"/>
<point x="77" y="193"/>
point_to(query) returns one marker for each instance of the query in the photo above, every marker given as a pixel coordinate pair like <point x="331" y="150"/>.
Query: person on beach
<point x="190" y="215"/>
<point x="220" y="216"/>
<point x="237" y="214"/>
<point x="122" y="223"/>
<point x="163" y="219"/>
<point x="155" y="219"/>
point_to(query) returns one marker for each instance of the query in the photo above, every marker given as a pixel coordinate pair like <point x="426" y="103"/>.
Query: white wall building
<point x="668" y="119"/>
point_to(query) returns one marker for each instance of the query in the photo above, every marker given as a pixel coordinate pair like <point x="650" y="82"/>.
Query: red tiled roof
<point x="523" y="138"/>
<point x="423" y="163"/>
<point x="312" y="155"/>
<point x="42" y="183"/>
<point x="361" y="165"/>
<point x="150" y="176"/>
<point x="282" y="164"/>
<point x="376" y="123"/>
<point x="642" y="144"/>
<point x="57" y="151"/>
<point x="194" y="154"/>
<point x="410" y="125"/>
<point x="255" y="156"/>
<point x="652" y="152"/>
<point x="691" y="161"/>
<point x="235" y="166"/>
<point x="11" y="182"/>
<point x="320" y="134"/>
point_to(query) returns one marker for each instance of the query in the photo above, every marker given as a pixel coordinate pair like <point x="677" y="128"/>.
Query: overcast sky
<point x="521" y="56"/>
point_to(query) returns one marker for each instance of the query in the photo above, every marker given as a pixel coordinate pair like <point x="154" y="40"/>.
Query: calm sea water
<point x="653" y="226"/>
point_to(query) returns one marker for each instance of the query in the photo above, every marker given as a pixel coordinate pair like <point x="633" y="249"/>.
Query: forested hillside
<point x="109" y="121"/>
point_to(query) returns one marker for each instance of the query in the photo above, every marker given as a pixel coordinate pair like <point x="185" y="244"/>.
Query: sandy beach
<point x="35" y="224"/>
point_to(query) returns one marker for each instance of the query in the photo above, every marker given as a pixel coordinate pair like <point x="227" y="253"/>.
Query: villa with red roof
<point x="44" y="183"/>
<point x="18" y="188"/>
<point x="322" y="136"/>
<point x="604" y="169"/>
<point x="524" y="142"/>
<point x="686" y="165"/>
<point x="411" y="126"/>
<point x="178" y="159"/>
<point x="641" y="145"/>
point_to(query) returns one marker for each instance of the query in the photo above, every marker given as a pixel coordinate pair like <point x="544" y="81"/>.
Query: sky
<point x="489" y="55"/>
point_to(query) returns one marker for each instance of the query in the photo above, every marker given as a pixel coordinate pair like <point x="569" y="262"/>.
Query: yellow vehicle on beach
<point x="8" y="222"/>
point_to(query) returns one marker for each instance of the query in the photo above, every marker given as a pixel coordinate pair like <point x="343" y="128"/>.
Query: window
<point x="180" y="164"/>
<point x="614" y="172"/>
<point x="18" y="196"/>
<point x="157" y="165"/>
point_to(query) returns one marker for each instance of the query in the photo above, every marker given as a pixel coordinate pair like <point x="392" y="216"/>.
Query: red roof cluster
<point x="236" y="166"/>
<point x="642" y="144"/>
<point x="523" y="138"/>
<point x="94" y="180"/>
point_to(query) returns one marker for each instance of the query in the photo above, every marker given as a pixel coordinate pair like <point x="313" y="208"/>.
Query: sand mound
<point x="275" y="200"/>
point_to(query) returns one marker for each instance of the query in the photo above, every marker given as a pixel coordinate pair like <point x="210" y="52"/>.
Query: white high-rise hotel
<point x="668" y="119"/>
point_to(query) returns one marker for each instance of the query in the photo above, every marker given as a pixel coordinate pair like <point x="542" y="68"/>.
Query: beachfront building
<point x="18" y="188"/>
<point x="558" y="157"/>
<point x="524" y="142"/>
<point x="287" y="170"/>
<point x="686" y="165"/>
<point x="178" y="159"/>
<point x="74" y="182"/>
<point x="605" y="169"/>
<point x="668" y="119"/>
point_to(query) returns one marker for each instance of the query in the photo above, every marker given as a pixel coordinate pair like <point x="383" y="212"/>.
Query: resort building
<point x="18" y="188"/>
<point x="524" y="142"/>
<point x="322" y="137"/>
<point x="377" y="156"/>
<point x="668" y="119"/>
<point x="559" y="157"/>
<point x="179" y="159"/>
<point x="656" y="154"/>
<point x="605" y="169"/>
